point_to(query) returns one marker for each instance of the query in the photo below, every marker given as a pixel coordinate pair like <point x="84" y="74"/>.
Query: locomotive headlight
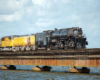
<point x="79" y="35"/>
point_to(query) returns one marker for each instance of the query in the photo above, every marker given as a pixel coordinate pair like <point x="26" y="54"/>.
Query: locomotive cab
<point x="7" y="42"/>
<point x="43" y="39"/>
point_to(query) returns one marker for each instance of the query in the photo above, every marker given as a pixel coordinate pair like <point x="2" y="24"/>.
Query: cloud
<point x="46" y="22"/>
<point x="10" y="6"/>
<point x="13" y="10"/>
<point x="39" y="2"/>
<point x="17" y="16"/>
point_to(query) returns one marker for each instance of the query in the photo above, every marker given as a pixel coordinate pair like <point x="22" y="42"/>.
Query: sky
<point x="19" y="17"/>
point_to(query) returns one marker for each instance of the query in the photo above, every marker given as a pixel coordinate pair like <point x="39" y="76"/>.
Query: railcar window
<point x="9" y="37"/>
<point x="2" y="39"/>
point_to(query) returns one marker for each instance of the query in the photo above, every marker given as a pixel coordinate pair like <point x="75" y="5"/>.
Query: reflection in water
<point x="31" y="75"/>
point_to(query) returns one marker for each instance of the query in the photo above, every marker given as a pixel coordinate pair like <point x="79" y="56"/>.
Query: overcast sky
<point x="18" y="17"/>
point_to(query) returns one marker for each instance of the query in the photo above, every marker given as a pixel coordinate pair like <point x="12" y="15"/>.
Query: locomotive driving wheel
<point x="23" y="49"/>
<point x="13" y="49"/>
<point x="48" y="48"/>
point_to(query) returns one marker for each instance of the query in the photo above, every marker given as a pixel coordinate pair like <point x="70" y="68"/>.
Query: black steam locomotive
<point x="68" y="38"/>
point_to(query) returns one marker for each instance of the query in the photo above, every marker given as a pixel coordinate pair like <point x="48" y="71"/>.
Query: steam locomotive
<point x="68" y="38"/>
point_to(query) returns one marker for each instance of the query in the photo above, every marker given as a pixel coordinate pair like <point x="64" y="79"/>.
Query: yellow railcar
<point x="24" y="41"/>
<point x="6" y="42"/>
<point x="29" y="40"/>
<point x="19" y="41"/>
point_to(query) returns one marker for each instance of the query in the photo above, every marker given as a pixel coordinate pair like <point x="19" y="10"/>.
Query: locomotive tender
<point x="68" y="38"/>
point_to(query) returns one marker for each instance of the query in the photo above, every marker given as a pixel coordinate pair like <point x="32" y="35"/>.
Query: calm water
<point x="57" y="73"/>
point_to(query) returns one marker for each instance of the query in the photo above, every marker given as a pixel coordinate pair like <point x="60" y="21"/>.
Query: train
<point x="67" y="38"/>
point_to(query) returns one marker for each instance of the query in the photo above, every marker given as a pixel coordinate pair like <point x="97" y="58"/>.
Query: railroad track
<point x="53" y="57"/>
<point x="45" y="54"/>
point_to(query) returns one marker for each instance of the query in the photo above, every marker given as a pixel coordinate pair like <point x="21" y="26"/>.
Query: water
<point x="57" y="73"/>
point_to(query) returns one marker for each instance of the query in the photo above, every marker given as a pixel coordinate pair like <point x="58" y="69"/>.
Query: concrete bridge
<point x="75" y="58"/>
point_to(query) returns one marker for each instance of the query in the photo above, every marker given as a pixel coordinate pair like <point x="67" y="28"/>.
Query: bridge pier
<point x="11" y="67"/>
<point x="75" y="70"/>
<point x="44" y="68"/>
